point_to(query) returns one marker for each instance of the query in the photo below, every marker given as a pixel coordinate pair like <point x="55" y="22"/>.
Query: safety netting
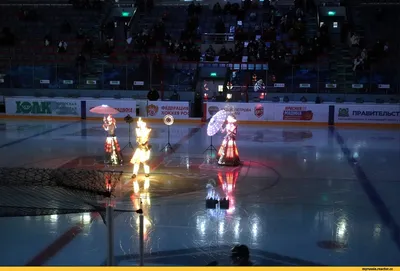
<point x="37" y="191"/>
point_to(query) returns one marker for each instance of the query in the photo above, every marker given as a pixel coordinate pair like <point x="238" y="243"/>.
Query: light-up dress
<point x="111" y="146"/>
<point x="142" y="152"/>
<point x="228" y="154"/>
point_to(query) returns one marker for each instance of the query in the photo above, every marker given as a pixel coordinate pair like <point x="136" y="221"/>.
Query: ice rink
<point x="303" y="196"/>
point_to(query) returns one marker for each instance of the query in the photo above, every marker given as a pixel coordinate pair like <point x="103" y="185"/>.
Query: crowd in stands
<point x="262" y="44"/>
<point x="65" y="33"/>
<point x="364" y="56"/>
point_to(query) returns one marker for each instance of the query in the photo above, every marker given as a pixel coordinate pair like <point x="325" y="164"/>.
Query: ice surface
<point x="297" y="187"/>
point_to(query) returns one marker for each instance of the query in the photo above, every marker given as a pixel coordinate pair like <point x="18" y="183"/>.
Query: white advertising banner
<point x="31" y="106"/>
<point x="125" y="107"/>
<point x="301" y="112"/>
<point x="367" y="113"/>
<point x="158" y="109"/>
<point x="242" y="111"/>
<point x="273" y="111"/>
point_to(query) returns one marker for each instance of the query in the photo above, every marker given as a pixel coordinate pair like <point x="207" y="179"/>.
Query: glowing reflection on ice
<point x="221" y="228"/>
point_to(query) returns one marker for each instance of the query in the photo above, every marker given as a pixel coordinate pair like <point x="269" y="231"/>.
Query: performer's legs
<point x="136" y="187"/>
<point x="135" y="169"/>
<point x="146" y="169"/>
<point x="146" y="183"/>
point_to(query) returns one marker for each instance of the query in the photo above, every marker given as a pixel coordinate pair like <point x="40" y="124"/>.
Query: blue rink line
<point x="369" y="189"/>
<point x="18" y="141"/>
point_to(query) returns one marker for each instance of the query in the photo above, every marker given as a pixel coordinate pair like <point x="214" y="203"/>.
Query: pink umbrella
<point x="104" y="110"/>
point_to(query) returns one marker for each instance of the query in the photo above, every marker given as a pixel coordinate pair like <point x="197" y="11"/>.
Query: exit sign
<point x="331" y="13"/>
<point x="125" y="14"/>
<point x="213" y="74"/>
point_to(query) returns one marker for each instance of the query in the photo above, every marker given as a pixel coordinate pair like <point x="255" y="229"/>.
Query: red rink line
<point x="54" y="248"/>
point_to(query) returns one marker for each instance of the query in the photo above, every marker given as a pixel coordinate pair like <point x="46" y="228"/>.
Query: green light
<point x="125" y="14"/>
<point x="213" y="74"/>
<point x="331" y="13"/>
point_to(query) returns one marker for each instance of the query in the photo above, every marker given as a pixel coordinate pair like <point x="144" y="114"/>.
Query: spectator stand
<point x="31" y="38"/>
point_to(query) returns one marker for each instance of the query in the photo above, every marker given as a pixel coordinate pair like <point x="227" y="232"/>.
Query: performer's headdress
<point x="110" y="118"/>
<point x="141" y="123"/>
<point x="231" y="118"/>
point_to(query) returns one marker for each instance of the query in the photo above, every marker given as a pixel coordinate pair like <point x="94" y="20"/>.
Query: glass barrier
<point x="172" y="74"/>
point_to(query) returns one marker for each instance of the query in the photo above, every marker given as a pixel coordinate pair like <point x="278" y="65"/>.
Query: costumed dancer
<point x="142" y="153"/>
<point x="228" y="154"/>
<point x="111" y="147"/>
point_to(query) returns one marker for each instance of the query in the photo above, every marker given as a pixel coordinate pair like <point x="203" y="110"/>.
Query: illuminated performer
<point x="111" y="147"/>
<point x="228" y="154"/>
<point x="142" y="153"/>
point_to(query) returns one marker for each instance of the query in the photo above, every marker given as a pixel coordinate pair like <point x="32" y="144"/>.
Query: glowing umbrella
<point x="104" y="110"/>
<point x="216" y="122"/>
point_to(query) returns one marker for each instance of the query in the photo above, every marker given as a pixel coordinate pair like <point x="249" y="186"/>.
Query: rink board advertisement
<point x="125" y="107"/>
<point x="29" y="106"/>
<point x="301" y="112"/>
<point x="273" y="112"/>
<point x="158" y="109"/>
<point x="377" y="114"/>
<point x="242" y="111"/>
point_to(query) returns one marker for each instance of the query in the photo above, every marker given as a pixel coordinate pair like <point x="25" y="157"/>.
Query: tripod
<point x="211" y="148"/>
<point x="168" y="146"/>
<point x="128" y="119"/>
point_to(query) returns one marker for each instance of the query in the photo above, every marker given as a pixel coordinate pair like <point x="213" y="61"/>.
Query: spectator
<point x="210" y="53"/>
<point x="356" y="63"/>
<point x="175" y="96"/>
<point x="217" y="10"/>
<point x="153" y="95"/>
<point x="240" y="256"/>
<point x="65" y="27"/>
<point x="47" y="40"/>
<point x="80" y="61"/>
<point x="62" y="47"/>
<point x="227" y="8"/>
<point x="355" y="40"/>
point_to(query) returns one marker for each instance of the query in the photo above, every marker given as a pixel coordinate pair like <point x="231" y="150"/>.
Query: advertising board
<point x="301" y="112"/>
<point x="273" y="111"/>
<point x="242" y="111"/>
<point x="31" y="106"/>
<point x="124" y="107"/>
<point x="367" y="113"/>
<point x="158" y="109"/>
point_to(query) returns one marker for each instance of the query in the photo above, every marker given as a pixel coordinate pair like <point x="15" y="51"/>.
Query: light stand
<point x="128" y="119"/>
<point x="168" y="146"/>
<point x="211" y="148"/>
<point x="141" y="237"/>
<point x="110" y="226"/>
<point x="110" y="230"/>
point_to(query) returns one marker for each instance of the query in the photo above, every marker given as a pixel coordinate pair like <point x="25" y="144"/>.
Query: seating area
<point x="166" y="42"/>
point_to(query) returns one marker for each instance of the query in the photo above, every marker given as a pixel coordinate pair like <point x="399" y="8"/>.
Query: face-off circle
<point x="168" y="120"/>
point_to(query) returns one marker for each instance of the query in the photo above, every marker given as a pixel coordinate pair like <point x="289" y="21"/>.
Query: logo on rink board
<point x="47" y="108"/>
<point x="297" y="113"/>
<point x="152" y="110"/>
<point x="259" y="111"/>
<point x="343" y="112"/>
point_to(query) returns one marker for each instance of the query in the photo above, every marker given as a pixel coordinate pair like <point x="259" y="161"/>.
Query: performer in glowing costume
<point x="142" y="153"/>
<point x="111" y="147"/>
<point x="228" y="154"/>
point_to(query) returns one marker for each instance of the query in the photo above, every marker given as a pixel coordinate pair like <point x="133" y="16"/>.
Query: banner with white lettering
<point x="242" y="111"/>
<point x="43" y="107"/>
<point x="301" y="112"/>
<point x="367" y="113"/>
<point x="158" y="109"/>
<point x="124" y="107"/>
